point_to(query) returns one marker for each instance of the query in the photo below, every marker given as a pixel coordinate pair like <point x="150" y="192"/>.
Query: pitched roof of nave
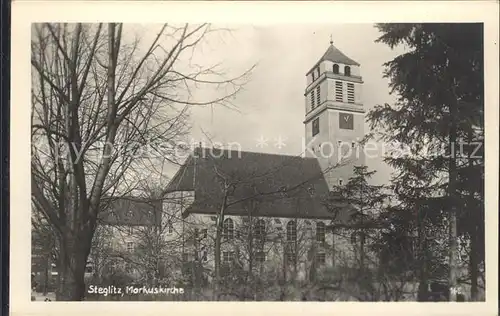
<point x="268" y="185"/>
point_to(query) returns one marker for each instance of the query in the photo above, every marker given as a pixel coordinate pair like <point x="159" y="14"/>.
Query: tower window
<point x="339" y="96"/>
<point x="341" y="182"/>
<point x="312" y="100"/>
<point x="347" y="71"/>
<point x="350" y="92"/>
<point x="335" y="69"/>
<point x="318" y="96"/>
<point x="315" y="126"/>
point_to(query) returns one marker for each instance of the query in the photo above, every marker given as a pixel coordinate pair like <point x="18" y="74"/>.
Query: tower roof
<point x="333" y="54"/>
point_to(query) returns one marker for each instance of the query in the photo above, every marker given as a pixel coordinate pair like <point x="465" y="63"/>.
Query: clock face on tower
<point x="346" y="121"/>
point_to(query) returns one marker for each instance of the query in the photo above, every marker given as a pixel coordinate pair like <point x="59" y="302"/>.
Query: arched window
<point x="260" y="230"/>
<point x="228" y="229"/>
<point x="290" y="245"/>
<point x="335" y="69"/>
<point x="291" y="231"/>
<point x="347" y="71"/>
<point x="320" y="232"/>
<point x="260" y="237"/>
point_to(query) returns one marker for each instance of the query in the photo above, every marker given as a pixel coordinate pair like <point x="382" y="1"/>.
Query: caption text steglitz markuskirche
<point x="128" y="290"/>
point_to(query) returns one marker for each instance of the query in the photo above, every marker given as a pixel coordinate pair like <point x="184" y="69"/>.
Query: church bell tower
<point x="334" y="120"/>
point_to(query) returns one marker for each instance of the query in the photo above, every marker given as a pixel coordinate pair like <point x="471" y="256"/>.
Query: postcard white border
<point x="26" y="12"/>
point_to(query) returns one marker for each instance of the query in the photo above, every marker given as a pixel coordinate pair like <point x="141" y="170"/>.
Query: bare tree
<point x="158" y="251"/>
<point x="101" y="254"/>
<point x="44" y="252"/>
<point x="231" y="186"/>
<point x="95" y="93"/>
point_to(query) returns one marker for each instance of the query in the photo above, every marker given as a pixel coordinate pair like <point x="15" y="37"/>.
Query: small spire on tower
<point x="331" y="39"/>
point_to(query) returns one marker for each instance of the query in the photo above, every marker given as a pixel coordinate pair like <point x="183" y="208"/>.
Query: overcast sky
<point x="272" y="104"/>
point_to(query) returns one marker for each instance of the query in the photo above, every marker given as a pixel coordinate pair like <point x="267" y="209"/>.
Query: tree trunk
<point x="46" y="276"/>
<point x="74" y="289"/>
<point x="474" y="266"/>
<point x="423" y="284"/>
<point x="333" y="247"/>
<point x="72" y="262"/>
<point x="452" y="187"/>
<point x="313" y="268"/>
<point x="217" y="262"/>
<point x="474" y="247"/>
<point x="362" y="250"/>
<point x="218" y="236"/>
<point x="249" y="277"/>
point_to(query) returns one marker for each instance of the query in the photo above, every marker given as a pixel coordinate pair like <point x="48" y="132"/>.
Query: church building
<point x="273" y="207"/>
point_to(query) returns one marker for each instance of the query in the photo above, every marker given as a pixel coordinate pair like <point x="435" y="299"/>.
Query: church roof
<point x="264" y="184"/>
<point x="130" y="211"/>
<point x="333" y="54"/>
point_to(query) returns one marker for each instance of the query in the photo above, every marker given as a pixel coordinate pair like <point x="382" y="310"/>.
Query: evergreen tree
<point x="440" y="106"/>
<point x="364" y="201"/>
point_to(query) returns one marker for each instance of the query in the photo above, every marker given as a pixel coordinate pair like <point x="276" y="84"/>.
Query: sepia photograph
<point x="205" y="162"/>
<point x="254" y="158"/>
